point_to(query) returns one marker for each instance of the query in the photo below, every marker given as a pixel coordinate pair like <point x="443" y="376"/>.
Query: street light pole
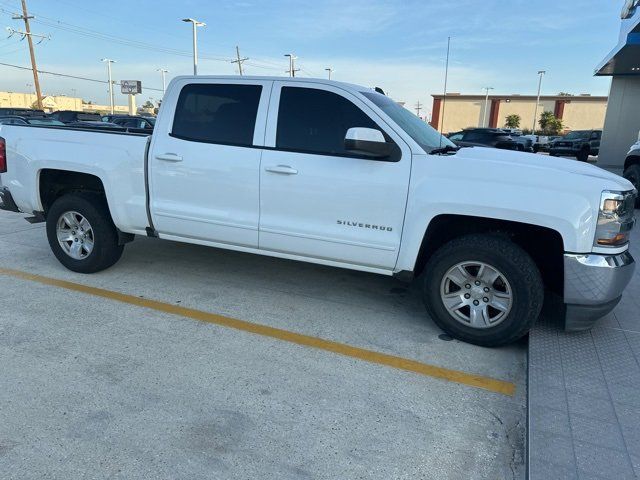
<point x="535" y="112"/>
<point x="195" y="24"/>
<point x="486" y="105"/>
<point x="330" y="70"/>
<point x="109" y="62"/>
<point x="164" y="81"/>
<point x="292" y="68"/>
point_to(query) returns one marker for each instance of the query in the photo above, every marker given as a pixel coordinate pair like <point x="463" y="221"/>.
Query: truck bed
<point x="117" y="157"/>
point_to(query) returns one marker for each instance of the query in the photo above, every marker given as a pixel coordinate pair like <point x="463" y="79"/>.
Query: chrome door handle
<point x="169" y="157"/>
<point x="282" y="169"/>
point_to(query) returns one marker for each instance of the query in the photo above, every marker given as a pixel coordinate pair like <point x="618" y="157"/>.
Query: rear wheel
<point x="632" y="173"/>
<point x="583" y="155"/>
<point x="81" y="233"/>
<point x="483" y="289"/>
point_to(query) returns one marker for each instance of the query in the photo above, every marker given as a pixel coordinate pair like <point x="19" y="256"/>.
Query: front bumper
<point x="568" y="151"/>
<point x="6" y="200"/>
<point x="593" y="285"/>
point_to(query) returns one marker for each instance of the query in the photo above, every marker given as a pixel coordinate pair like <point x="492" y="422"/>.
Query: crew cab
<point x="579" y="144"/>
<point x="341" y="175"/>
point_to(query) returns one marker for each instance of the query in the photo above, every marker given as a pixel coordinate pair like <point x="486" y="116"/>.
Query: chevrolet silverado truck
<point x="340" y="175"/>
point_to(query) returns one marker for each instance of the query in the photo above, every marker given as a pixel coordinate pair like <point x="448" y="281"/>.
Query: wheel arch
<point x="545" y="245"/>
<point x="633" y="159"/>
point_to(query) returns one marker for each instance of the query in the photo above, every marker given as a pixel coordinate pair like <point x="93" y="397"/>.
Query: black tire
<point x="512" y="261"/>
<point x="632" y="173"/>
<point x="583" y="155"/>
<point x="106" y="250"/>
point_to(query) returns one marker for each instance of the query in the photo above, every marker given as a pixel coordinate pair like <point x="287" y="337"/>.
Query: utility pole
<point x="239" y="60"/>
<point x="486" y="106"/>
<point x="418" y="108"/>
<point x="111" y="101"/>
<point x="330" y="70"/>
<point x="195" y="24"/>
<point x="164" y="80"/>
<point x="292" y="70"/>
<point x="27" y="33"/>
<point x="535" y="112"/>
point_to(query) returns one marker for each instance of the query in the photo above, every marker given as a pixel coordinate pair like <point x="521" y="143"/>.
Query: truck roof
<point x="324" y="81"/>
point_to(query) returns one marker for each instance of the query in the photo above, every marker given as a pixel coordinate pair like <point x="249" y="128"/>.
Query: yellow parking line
<point x="457" y="376"/>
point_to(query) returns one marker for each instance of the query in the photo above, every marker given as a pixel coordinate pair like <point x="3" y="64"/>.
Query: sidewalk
<point x="584" y="395"/>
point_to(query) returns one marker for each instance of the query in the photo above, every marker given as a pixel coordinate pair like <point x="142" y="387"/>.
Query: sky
<point x="398" y="45"/>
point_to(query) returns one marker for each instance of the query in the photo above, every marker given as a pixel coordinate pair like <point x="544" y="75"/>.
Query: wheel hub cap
<point x="75" y="235"/>
<point x="476" y="294"/>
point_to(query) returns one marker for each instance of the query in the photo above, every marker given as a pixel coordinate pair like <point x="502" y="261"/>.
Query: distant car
<point x="70" y="116"/>
<point x="17" y="120"/>
<point x="540" y="142"/>
<point x="579" y="144"/>
<point x="485" y="137"/>
<point x="12" y="120"/>
<point x="133" y="121"/>
<point x="21" y="112"/>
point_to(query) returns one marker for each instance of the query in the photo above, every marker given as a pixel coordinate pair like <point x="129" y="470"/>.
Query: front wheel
<point x="81" y="233"/>
<point x="483" y="289"/>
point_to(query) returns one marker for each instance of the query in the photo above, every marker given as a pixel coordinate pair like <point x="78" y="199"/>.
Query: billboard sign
<point x="131" y="87"/>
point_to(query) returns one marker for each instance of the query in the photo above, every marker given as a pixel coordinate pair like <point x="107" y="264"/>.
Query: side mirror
<point x="367" y="141"/>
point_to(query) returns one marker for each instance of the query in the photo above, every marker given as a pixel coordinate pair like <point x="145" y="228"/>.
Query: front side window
<point x="316" y="121"/>
<point x="217" y="113"/>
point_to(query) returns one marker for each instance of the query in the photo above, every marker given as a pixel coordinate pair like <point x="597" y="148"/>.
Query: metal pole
<point x="329" y="70"/>
<point x="535" y="112"/>
<point x="444" y="96"/>
<point x="195" y="49"/>
<point x="239" y="61"/>
<point x="32" y="54"/>
<point x="486" y="106"/>
<point x="111" y="99"/>
<point x="164" y="82"/>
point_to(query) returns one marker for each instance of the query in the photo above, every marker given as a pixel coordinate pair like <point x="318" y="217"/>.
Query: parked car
<point x="90" y="124"/>
<point x="351" y="180"/>
<point x="485" y="137"/>
<point x="70" y="116"/>
<point x="17" y="120"/>
<point x="579" y="144"/>
<point x="525" y="142"/>
<point x="632" y="167"/>
<point x="540" y="143"/>
<point x="21" y="112"/>
<point x="135" y="122"/>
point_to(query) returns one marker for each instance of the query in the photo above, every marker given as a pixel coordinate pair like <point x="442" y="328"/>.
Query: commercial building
<point x="51" y="103"/>
<point x="577" y="112"/>
<point x="622" y="121"/>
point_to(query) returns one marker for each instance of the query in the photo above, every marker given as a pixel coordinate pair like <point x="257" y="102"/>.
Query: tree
<point x="565" y="94"/>
<point x="148" y="104"/>
<point x="549" y="124"/>
<point x="513" y="121"/>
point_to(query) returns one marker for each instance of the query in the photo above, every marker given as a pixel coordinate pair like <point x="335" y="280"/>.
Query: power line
<point x="75" y="77"/>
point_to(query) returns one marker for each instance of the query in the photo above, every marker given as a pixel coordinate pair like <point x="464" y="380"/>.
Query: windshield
<point x="421" y="132"/>
<point x="151" y="120"/>
<point x="576" y="135"/>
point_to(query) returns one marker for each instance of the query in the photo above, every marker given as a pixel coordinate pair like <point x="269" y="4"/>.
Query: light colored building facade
<point x="52" y="103"/>
<point x="577" y="112"/>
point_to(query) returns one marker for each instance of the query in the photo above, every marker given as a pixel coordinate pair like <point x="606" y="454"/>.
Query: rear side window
<point x="317" y="121"/>
<point x="218" y="113"/>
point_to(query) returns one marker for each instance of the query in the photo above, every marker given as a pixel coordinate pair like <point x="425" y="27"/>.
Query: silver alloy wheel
<point x="75" y="235"/>
<point x="476" y="294"/>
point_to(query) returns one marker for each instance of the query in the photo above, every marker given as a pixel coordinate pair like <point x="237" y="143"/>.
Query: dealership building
<point x="622" y="121"/>
<point x="577" y="112"/>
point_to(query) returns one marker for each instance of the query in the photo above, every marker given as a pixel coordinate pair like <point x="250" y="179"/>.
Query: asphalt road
<point x="95" y="385"/>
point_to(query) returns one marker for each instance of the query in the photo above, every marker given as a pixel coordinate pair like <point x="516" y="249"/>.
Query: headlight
<point x="615" y="219"/>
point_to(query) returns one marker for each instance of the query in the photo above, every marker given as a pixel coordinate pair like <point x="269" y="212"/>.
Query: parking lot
<point x="189" y="362"/>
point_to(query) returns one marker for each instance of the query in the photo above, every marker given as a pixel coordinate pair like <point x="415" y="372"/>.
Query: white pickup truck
<point x="340" y="175"/>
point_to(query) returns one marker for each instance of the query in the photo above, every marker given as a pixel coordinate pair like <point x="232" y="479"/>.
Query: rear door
<point x="205" y="158"/>
<point x="318" y="200"/>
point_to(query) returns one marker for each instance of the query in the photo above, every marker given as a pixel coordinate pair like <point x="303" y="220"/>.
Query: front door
<point x="204" y="162"/>
<point x="316" y="199"/>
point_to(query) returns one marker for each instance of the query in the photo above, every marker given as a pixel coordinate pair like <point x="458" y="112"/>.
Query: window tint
<point x="217" y="113"/>
<point x="317" y="121"/>
<point x="476" y="137"/>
